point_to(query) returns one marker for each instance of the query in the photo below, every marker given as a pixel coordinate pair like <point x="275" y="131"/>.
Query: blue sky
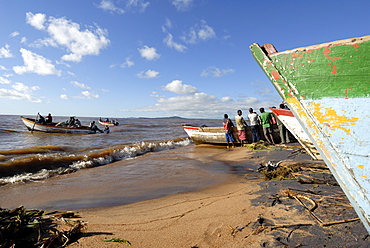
<point x="155" y="58"/>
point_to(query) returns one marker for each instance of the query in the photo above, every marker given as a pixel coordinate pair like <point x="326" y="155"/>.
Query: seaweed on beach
<point x="35" y="228"/>
<point x="305" y="172"/>
<point x="274" y="171"/>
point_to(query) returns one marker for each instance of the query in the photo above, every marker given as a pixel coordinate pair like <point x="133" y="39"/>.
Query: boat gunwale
<point x="348" y="41"/>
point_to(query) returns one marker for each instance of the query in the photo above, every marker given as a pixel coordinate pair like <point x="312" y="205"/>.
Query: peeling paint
<point x="327" y="89"/>
<point x="330" y="118"/>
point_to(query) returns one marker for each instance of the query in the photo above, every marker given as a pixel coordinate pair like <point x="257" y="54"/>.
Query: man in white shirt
<point x="253" y="119"/>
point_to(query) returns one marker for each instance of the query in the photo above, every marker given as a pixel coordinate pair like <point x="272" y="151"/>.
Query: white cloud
<point x="69" y="35"/>
<point x="3" y="68"/>
<point x="156" y="95"/>
<point x="80" y="85"/>
<point x="202" y="105"/>
<point x="14" y="34"/>
<point x="20" y="92"/>
<point x="4" y="81"/>
<point x="206" y="32"/>
<point x="200" y="32"/>
<point x="72" y="57"/>
<point x="182" y="5"/>
<point x="89" y="95"/>
<point x="168" y="24"/>
<point x="176" y="86"/>
<point x="148" y="74"/>
<point x="24" y="88"/>
<point x="34" y="63"/>
<point x="5" y="52"/>
<point x="168" y="40"/>
<point x="110" y="6"/>
<point x="226" y="99"/>
<point x="23" y="40"/>
<point x="36" y="20"/>
<point x="64" y="97"/>
<point x="216" y="72"/>
<point x="139" y="5"/>
<point x="128" y="63"/>
<point x="149" y="53"/>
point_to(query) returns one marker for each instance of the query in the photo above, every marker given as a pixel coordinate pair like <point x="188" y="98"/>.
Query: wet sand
<point x="236" y="207"/>
<point x="243" y="210"/>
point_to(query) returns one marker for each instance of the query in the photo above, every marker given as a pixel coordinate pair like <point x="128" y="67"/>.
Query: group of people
<point x="264" y="119"/>
<point x="70" y="122"/>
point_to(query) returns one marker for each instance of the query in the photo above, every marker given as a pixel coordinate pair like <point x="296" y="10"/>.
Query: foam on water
<point x="72" y="162"/>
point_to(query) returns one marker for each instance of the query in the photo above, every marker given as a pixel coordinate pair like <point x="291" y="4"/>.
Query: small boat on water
<point x="108" y="123"/>
<point x="295" y="128"/>
<point x="33" y="125"/>
<point x="327" y="88"/>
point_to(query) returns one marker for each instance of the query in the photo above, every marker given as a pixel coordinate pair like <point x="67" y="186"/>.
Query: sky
<point x="155" y="58"/>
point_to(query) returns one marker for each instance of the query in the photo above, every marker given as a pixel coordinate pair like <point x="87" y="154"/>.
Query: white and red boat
<point x="295" y="128"/>
<point x="208" y="135"/>
<point x="108" y="123"/>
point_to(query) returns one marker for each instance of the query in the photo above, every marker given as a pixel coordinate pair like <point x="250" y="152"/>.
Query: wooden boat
<point x="327" y="88"/>
<point x="295" y="128"/>
<point x="208" y="135"/>
<point x="108" y="123"/>
<point x="216" y="135"/>
<point x="32" y="125"/>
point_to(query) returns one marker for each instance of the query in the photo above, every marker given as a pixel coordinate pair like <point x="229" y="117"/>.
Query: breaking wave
<point x="38" y="163"/>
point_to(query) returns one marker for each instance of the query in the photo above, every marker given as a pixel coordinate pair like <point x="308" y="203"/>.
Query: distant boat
<point x="105" y="123"/>
<point x="33" y="125"/>
<point x="327" y="88"/>
<point x="295" y="128"/>
<point x="108" y="123"/>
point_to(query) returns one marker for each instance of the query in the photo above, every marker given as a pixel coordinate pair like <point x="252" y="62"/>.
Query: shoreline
<point x="244" y="211"/>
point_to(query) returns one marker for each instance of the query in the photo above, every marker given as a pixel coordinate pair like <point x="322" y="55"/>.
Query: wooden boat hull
<point x="295" y="128"/>
<point x="216" y="135"/>
<point x="208" y="135"/>
<point x="110" y="124"/>
<point x="51" y="128"/>
<point x="327" y="88"/>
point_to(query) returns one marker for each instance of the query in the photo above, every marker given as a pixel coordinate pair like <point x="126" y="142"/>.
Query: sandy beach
<point x="242" y="210"/>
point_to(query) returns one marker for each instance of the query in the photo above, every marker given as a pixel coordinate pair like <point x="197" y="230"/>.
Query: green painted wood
<point x="331" y="70"/>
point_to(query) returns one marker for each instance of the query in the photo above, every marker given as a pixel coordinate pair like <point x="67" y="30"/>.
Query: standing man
<point x="265" y="119"/>
<point x="228" y="127"/>
<point x="240" y="125"/>
<point x="284" y="133"/>
<point x="253" y="119"/>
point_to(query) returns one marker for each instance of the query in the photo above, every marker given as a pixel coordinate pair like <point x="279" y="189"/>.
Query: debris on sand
<point x="35" y="228"/>
<point x="305" y="172"/>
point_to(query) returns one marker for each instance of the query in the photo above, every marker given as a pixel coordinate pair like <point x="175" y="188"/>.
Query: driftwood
<point x="304" y="164"/>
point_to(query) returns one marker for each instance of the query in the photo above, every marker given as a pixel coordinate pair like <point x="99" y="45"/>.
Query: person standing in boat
<point x="78" y="123"/>
<point x="228" y="125"/>
<point x="255" y="127"/>
<point x="41" y="119"/>
<point x="265" y="119"/>
<point x="49" y="118"/>
<point x="240" y="125"/>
